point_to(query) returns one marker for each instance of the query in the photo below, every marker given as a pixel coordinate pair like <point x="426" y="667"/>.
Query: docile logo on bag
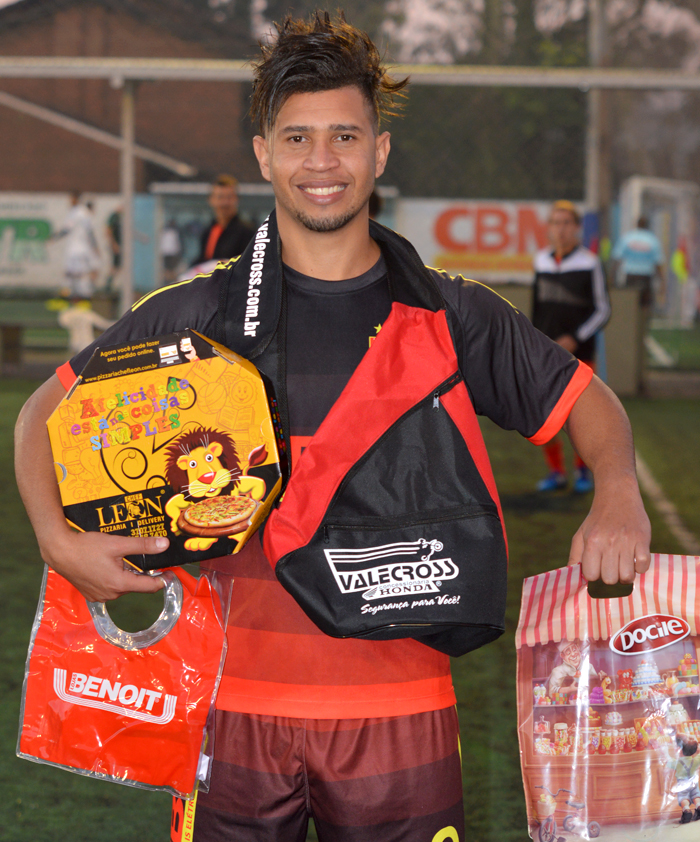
<point x="114" y="696"/>
<point x="645" y="634"/>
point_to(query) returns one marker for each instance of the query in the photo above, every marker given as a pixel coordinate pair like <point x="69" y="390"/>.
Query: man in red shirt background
<point x="227" y="235"/>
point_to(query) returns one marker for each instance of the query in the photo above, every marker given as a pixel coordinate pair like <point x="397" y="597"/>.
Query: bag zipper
<point x="444" y="387"/>
<point x="402" y="523"/>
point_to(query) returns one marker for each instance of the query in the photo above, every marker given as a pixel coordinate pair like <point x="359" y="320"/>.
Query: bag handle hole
<point x="599" y="590"/>
<point x="172" y="608"/>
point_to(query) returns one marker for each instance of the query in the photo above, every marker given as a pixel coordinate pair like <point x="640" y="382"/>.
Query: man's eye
<point x="345" y="137"/>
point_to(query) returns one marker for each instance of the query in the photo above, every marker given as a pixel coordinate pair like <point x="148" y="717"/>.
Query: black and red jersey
<point x="278" y="661"/>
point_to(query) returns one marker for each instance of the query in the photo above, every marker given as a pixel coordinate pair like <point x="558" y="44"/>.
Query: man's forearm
<point x="600" y="431"/>
<point x="34" y="464"/>
<point x="613" y="541"/>
<point x="91" y="561"/>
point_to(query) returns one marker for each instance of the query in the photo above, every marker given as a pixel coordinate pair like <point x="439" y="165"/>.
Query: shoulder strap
<point x="250" y="297"/>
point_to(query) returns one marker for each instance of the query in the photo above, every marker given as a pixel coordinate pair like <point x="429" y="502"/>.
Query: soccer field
<point x="41" y="804"/>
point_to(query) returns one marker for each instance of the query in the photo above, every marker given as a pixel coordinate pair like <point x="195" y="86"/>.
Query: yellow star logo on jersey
<point x="372" y="338"/>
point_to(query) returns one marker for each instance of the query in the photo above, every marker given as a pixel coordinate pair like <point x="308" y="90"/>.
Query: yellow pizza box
<point x="171" y="436"/>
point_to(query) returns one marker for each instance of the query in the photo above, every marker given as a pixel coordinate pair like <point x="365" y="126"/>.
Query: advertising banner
<point x="486" y="240"/>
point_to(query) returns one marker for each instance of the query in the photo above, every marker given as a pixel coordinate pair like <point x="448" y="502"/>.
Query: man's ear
<point x="383" y="145"/>
<point x="262" y="153"/>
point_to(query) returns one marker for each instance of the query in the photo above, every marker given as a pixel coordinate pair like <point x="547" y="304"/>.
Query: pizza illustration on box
<point x="214" y="497"/>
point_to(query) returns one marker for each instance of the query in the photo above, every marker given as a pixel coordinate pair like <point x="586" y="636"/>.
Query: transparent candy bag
<point x="608" y="706"/>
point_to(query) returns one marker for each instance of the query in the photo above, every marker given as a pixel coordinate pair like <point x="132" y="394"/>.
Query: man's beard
<point x="323" y="225"/>
<point x="333" y="223"/>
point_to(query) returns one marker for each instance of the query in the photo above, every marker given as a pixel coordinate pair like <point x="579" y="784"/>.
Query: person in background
<point x="638" y="256"/>
<point x="570" y="305"/>
<point x="113" y="232"/>
<point x="227" y="235"/>
<point x="80" y="320"/>
<point x="81" y="258"/>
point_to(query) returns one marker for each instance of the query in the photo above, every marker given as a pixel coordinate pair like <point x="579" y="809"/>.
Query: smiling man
<point x="360" y="734"/>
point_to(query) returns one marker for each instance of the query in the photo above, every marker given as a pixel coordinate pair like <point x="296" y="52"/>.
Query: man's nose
<point x="321" y="156"/>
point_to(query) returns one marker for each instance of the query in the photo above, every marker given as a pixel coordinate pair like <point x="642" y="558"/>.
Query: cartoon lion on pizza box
<point x="215" y="496"/>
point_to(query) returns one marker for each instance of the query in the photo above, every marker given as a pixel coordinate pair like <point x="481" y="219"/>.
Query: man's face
<point x="571" y="656"/>
<point x="322" y="156"/>
<point x="563" y="231"/>
<point x="223" y="201"/>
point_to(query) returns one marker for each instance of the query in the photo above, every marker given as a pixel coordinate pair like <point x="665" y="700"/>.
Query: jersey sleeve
<point x="515" y="375"/>
<point x="188" y="304"/>
<point x="601" y="304"/>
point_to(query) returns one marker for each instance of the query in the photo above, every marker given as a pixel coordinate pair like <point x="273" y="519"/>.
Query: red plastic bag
<point x="129" y="708"/>
<point x="608" y="705"/>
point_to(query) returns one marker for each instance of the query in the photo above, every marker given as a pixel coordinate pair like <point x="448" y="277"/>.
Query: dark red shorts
<point x="396" y="779"/>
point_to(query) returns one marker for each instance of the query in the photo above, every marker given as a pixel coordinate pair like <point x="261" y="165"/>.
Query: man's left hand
<point x="612" y="543"/>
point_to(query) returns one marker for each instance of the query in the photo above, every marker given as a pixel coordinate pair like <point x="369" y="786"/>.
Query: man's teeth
<point x="324" y="191"/>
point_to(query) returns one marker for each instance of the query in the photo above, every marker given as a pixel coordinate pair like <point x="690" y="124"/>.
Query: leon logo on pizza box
<point x="173" y="436"/>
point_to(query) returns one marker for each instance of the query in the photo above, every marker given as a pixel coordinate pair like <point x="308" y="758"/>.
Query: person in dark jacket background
<point x="227" y="235"/>
<point x="570" y="305"/>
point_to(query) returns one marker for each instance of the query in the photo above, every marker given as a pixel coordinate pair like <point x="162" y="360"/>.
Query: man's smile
<point x="323" y="191"/>
<point x="323" y="194"/>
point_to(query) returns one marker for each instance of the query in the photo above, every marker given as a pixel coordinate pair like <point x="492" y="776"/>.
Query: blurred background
<point x="129" y="109"/>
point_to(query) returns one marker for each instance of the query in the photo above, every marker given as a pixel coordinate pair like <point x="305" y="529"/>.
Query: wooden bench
<point x="13" y="341"/>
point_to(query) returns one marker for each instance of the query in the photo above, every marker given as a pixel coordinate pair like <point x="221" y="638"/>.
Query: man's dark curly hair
<point x="320" y="54"/>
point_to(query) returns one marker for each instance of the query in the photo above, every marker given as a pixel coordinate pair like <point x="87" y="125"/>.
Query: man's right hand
<point x="92" y="562"/>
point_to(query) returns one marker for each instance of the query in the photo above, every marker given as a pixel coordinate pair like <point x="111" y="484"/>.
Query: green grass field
<point x="683" y="346"/>
<point x="41" y="804"/>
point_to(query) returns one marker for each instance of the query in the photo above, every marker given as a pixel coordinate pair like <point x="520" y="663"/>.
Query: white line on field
<point x="665" y="508"/>
<point x="658" y="352"/>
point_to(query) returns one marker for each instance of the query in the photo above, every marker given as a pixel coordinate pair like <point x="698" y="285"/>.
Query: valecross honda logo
<point x="655" y="631"/>
<point x="134" y="702"/>
<point x="391" y="570"/>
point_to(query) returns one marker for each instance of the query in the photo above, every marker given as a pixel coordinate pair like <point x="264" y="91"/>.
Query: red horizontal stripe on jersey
<point x="324" y="662"/>
<point x="337" y="702"/>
